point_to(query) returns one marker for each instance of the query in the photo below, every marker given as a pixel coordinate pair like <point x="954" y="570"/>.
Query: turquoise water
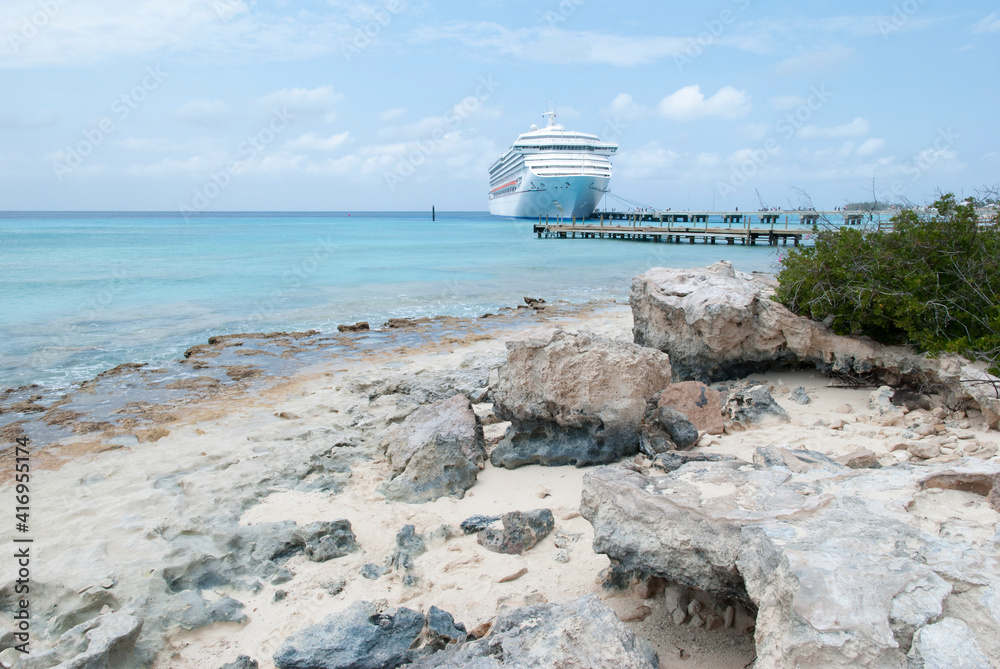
<point x="83" y="292"/>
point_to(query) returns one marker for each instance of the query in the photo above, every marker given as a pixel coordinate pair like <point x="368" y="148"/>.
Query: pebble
<point x="964" y="425"/>
<point x="108" y="583"/>
<point x="279" y="595"/>
<point x="694" y="607"/>
<point x="640" y="613"/>
<point x="561" y="556"/>
<point x="844" y="408"/>
<point x="729" y="616"/>
<point x="679" y="615"/>
<point x="965" y="435"/>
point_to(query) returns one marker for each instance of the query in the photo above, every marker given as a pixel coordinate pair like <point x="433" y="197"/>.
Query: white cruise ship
<point x="551" y="172"/>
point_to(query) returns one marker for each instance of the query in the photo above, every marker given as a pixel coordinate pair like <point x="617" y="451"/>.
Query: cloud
<point x="690" y="103"/>
<point x="871" y="146"/>
<point x="552" y="45"/>
<point x="303" y="103"/>
<point x="856" y="128"/>
<point x="817" y="61"/>
<point x="208" y="113"/>
<point x="391" y="114"/>
<point x="65" y="33"/>
<point x="312" y="142"/>
<point x="647" y="162"/>
<point x="991" y="24"/>
<point x="625" y="108"/>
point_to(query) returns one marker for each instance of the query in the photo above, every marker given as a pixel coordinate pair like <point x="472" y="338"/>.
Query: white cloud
<point x="303" y="103"/>
<point x="991" y="24"/>
<point x="755" y="131"/>
<point x="690" y="103"/>
<point x="625" y="108"/>
<point x="856" y="128"/>
<point x="391" y="114"/>
<point x="146" y="144"/>
<point x="817" y="61"/>
<point x="871" y="146"/>
<point x="84" y="33"/>
<point x="313" y="142"/>
<point x="647" y="162"/>
<point x="552" y="45"/>
<point x="209" y="113"/>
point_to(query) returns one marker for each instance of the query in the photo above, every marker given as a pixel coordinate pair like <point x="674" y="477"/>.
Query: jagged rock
<point x="361" y="326"/>
<point x="242" y="662"/>
<point x="475" y="524"/>
<point x="699" y="403"/>
<point x="443" y="629"/>
<point x="573" y="399"/>
<point x="947" y="644"/>
<point x="841" y="570"/>
<point x="799" y="395"/>
<point x="716" y="324"/>
<point x="101" y="643"/>
<point x="579" y="634"/>
<point x="753" y="405"/>
<point x="521" y="531"/>
<point x="665" y="429"/>
<point x="194" y="611"/>
<point x="673" y="460"/>
<point x="327" y="539"/>
<point x="409" y="546"/>
<point x="438" y="450"/>
<point x="362" y="637"/>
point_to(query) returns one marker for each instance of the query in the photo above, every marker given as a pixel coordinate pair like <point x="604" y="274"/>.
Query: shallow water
<point x="83" y="292"/>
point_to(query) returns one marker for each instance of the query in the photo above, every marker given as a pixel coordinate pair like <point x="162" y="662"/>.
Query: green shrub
<point x="932" y="282"/>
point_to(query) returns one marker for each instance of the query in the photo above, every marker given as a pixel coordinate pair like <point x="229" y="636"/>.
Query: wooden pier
<point x="774" y="227"/>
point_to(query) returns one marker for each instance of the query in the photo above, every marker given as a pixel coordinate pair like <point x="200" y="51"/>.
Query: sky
<point x="232" y="105"/>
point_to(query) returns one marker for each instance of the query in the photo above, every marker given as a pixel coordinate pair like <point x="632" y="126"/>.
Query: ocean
<point x="84" y="292"/>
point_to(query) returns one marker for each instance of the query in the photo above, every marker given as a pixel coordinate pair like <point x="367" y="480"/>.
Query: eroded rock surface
<point x="844" y="567"/>
<point x="716" y="323"/>
<point x="577" y="634"/>
<point x="438" y="450"/>
<point x="574" y="399"/>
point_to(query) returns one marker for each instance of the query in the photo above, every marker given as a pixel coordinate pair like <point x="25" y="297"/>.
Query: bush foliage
<point x="933" y="282"/>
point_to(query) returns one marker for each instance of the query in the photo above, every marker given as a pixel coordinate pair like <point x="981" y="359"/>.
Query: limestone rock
<point x="753" y="405"/>
<point x="574" y="399"/>
<point x="665" y="429"/>
<point x="437" y="451"/>
<point x="579" y="634"/>
<point x="859" y="458"/>
<point x="700" y="404"/>
<point x="799" y="395"/>
<point x="327" y="539"/>
<point x="362" y="637"/>
<point x="716" y="324"/>
<point x="949" y="643"/>
<point x="101" y="643"/>
<point x="797" y="460"/>
<point x="842" y="573"/>
<point x="521" y="531"/>
<point x="242" y="662"/>
<point x="673" y="460"/>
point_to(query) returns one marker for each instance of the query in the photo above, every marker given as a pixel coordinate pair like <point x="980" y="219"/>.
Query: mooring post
<point x="433" y="215"/>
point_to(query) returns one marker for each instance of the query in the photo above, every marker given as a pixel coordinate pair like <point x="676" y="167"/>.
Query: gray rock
<point x="798" y="460"/>
<point x="372" y="571"/>
<point x="580" y="634"/>
<point x="521" y="531"/>
<point x="442" y="626"/>
<point x="842" y="573"/>
<point x="101" y="643"/>
<point x="194" y="611"/>
<point x="242" y="662"/>
<point x="948" y="644"/>
<point x="437" y="451"/>
<point x="474" y="524"/>
<point x="326" y="539"/>
<point x="573" y="399"/>
<point x="753" y="405"/>
<point x="673" y="460"/>
<point x="680" y="430"/>
<point x="359" y="638"/>
<point x="409" y="546"/>
<point x="799" y="395"/>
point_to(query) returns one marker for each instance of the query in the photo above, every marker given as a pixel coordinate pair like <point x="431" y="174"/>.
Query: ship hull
<point x="550" y="197"/>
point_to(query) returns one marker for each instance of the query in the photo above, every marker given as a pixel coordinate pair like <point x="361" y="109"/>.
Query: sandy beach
<point x="134" y="528"/>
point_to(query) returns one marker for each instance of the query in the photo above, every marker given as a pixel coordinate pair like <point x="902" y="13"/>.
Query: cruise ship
<point x="551" y="172"/>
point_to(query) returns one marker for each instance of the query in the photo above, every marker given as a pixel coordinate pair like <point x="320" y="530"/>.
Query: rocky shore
<point x="699" y="479"/>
